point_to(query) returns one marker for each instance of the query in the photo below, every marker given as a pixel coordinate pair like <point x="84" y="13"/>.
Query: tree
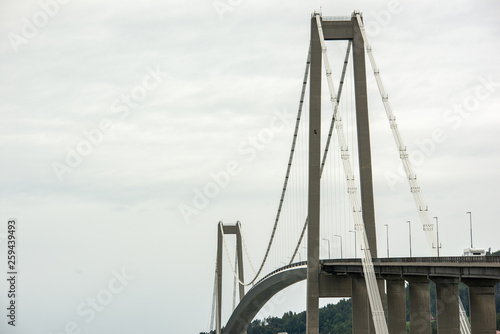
<point x="497" y="253"/>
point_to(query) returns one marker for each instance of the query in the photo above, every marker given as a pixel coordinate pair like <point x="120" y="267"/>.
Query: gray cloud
<point x="119" y="207"/>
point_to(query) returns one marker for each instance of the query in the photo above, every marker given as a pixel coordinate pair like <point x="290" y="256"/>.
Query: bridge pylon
<point x="221" y="231"/>
<point x="362" y="279"/>
<point x="334" y="29"/>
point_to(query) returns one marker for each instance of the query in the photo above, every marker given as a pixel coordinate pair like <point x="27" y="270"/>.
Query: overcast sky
<point x="114" y="114"/>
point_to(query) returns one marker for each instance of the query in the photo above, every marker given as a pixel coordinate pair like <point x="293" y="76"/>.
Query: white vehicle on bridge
<point x="474" y="252"/>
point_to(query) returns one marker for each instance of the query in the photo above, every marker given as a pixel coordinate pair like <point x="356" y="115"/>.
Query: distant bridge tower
<point x="221" y="230"/>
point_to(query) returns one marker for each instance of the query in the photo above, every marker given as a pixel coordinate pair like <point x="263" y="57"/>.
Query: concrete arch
<point x="257" y="297"/>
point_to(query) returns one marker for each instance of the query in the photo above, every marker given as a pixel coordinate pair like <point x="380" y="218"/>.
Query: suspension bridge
<point x="314" y="190"/>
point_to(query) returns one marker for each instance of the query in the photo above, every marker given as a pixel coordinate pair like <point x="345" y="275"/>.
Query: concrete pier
<point x="447" y="305"/>
<point x="360" y="306"/>
<point x="396" y="305"/>
<point x="482" y="305"/>
<point x="381" y="291"/>
<point x="420" y="311"/>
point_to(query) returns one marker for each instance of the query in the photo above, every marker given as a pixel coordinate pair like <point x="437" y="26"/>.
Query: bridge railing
<point x="289" y="266"/>
<point x="441" y="259"/>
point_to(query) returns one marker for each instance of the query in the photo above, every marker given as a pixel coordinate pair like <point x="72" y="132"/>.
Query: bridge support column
<point x="396" y="305"/>
<point x="363" y="136"/>
<point x="420" y="311"/>
<point x="447" y="305"/>
<point x="360" y="306"/>
<point x="239" y="254"/>
<point x="381" y="290"/>
<point x="313" y="237"/>
<point x="482" y="305"/>
<point x="218" y="313"/>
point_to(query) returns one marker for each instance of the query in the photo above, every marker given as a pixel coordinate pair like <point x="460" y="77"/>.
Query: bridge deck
<point x="340" y="265"/>
<point x="457" y="267"/>
<point x="430" y="267"/>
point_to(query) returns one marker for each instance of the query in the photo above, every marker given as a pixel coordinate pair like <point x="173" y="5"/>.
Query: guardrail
<point x="441" y="259"/>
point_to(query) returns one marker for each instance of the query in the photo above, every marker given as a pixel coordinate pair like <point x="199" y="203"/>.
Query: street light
<point x="387" y="230"/>
<point x="355" y="248"/>
<point x="437" y="234"/>
<point x="409" y="230"/>
<point x="470" y="221"/>
<point x="329" y="257"/>
<point x="336" y="235"/>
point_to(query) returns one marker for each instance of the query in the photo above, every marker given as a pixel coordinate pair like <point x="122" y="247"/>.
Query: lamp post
<point x="470" y="222"/>
<point x="387" y="234"/>
<point x="437" y="234"/>
<point x="329" y="256"/>
<point x="355" y="248"/>
<point x="341" y="255"/>
<point x="409" y="230"/>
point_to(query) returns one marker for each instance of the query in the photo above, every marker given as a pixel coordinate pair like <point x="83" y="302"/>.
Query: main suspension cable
<point x="290" y="159"/>
<point x="246" y="252"/>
